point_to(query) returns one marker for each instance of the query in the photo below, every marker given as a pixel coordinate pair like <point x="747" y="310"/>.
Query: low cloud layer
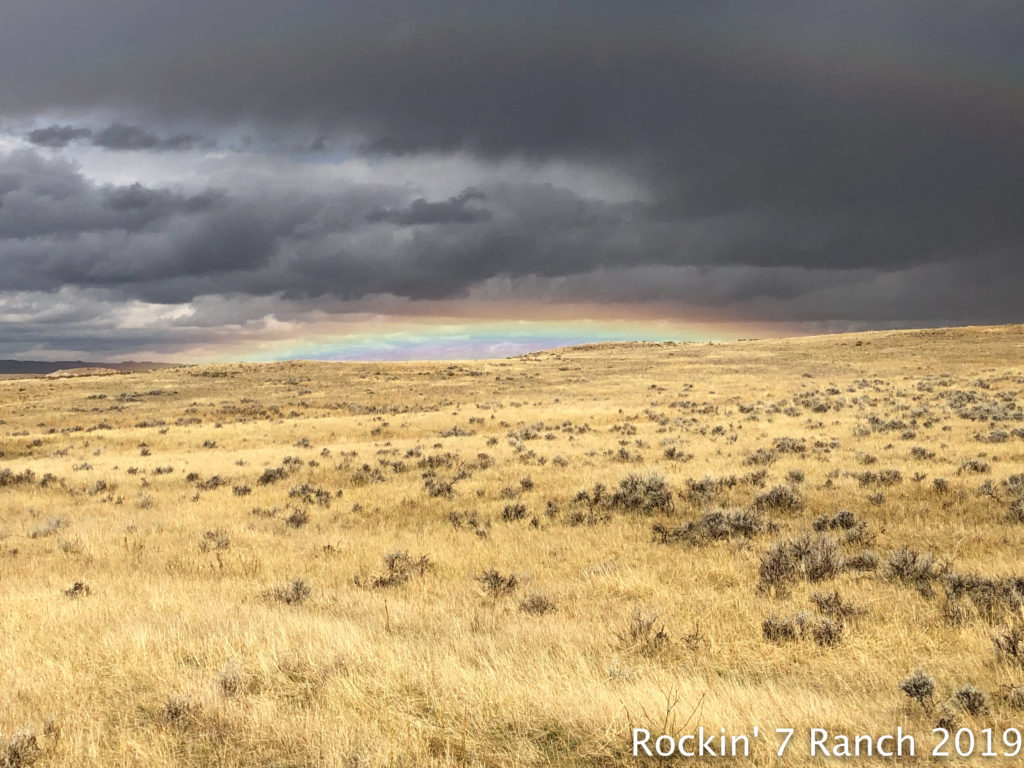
<point x="818" y="165"/>
<point x="116" y="136"/>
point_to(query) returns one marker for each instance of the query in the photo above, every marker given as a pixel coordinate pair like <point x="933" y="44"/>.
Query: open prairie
<point x="514" y="562"/>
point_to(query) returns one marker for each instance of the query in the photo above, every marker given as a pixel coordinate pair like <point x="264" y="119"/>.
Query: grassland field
<point x="513" y="562"/>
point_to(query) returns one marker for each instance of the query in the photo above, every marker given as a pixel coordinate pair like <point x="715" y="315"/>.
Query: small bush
<point x="271" y="475"/>
<point x="644" y="634"/>
<point x="21" y="751"/>
<point x="1009" y="645"/>
<point x="843" y="520"/>
<point x="974" y="467"/>
<point x="497" y="585"/>
<point x="988" y="598"/>
<point x="865" y="561"/>
<point x="780" y="499"/>
<point x="644" y="494"/>
<point x="972" y="700"/>
<point x="179" y="710"/>
<point x="832" y="605"/>
<point x="778" y="630"/>
<point x="813" y="558"/>
<point x="920" y="686"/>
<point x="294" y="592"/>
<point x="439" y="487"/>
<point x="1015" y="514"/>
<point x="855" y="531"/>
<point x="713" y="526"/>
<point x="1015" y="697"/>
<point x="211" y="484"/>
<point x="779" y="566"/>
<point x="400" y="568"/>
<point x="827" y="632"/>
<point x="538" y="604"/>
<point x="948" y="719"/>
<point x="821" y="559"/>
<point x="1015" y="483"/>
<point x="915" y="569"/>
<point x="77" y="590"/>
<point x="674" y="454"/>
<point x="762" y="457"/>
<point x="513" y="512"/>
<point x="705" y="491"/>
<point x="310" y="494"/>
<point x="790" y="445"/>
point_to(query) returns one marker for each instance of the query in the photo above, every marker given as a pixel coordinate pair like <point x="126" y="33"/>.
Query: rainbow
<point x="428" y="338"/>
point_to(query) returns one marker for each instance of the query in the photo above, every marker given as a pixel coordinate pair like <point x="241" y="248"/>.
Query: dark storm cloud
<point x="886" y="126"/>
<point x="119" y="136"/>
<point x="50" y="198"/>
<point x="779" y="149"/>
<point x="59" y="229"/>
<point x="454" y="210"/>
<point x="57" y="136"/>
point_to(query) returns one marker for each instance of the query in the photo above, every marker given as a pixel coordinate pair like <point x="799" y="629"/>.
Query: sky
<point x="259" y="180"/>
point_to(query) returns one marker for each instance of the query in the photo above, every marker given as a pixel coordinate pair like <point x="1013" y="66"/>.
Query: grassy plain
<point x="311" y="564"/>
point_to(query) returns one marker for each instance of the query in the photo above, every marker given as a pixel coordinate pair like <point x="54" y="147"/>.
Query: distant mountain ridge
<point x="42" y="367"/>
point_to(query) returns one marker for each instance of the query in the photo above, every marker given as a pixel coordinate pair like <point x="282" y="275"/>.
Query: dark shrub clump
<point x="920" y="686"/>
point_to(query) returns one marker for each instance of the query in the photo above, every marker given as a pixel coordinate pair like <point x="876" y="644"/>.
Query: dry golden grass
<point x="189" y="640"/>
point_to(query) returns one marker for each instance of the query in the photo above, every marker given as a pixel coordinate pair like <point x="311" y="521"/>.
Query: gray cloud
<point x="454" y="210"/>
<point x="116" y="136"/>
<point x="851" y="163"/>
<point x="59" y="229"/>
<point x="119" y="136"/>
<point x="57" y="136"/>
<point x="42" y="198"/>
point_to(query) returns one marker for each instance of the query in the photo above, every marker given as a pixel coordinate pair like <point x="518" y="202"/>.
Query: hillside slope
<point x="514" y="562"/>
